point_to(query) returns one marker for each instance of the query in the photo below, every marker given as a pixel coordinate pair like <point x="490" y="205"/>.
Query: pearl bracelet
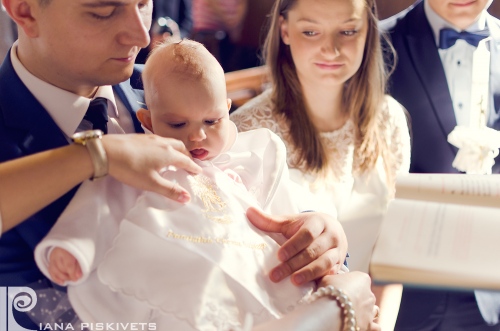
<point x="342" y="300"/>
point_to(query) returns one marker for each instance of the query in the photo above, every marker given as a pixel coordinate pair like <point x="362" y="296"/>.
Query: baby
<point x="132" y="256"/>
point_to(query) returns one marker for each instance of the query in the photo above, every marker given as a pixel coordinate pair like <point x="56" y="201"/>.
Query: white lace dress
<point x="360" y="199"/>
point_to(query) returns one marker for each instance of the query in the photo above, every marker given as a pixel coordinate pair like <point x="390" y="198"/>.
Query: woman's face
<point x="326" y="39"/>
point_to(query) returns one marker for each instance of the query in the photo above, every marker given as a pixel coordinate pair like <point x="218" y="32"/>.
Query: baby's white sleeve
<point x="88" y="224"/>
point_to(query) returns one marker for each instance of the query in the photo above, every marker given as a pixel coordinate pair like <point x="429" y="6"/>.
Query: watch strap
<point x="98" y="157"/>
<point x="92" y="141"/>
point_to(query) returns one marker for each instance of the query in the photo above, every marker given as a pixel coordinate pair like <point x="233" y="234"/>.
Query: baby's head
<point x="185" y="90"/>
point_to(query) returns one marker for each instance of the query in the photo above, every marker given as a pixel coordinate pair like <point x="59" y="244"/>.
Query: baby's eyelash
<point x="177" y="125"/>
<point x="212" y="122"/>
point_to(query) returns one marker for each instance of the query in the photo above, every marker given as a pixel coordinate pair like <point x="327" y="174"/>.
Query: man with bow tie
<point x="435" y="41"/>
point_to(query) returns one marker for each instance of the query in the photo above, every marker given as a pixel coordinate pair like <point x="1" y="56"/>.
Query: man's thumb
<point x="263" y="221"/>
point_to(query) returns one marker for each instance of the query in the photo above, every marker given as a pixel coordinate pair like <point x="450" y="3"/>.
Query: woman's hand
<point x="357" y="286"/>
<point x="316" y="244"/>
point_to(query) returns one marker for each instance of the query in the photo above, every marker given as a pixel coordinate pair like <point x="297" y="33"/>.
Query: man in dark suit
<point x="74" y="58"/>
<point x="432" y="79"/>
<point x="65" y="57"/>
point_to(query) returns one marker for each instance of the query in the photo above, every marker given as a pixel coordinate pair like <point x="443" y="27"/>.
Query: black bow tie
<point x="448" y="37"/>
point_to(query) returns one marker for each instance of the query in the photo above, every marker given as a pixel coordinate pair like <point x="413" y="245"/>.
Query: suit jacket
<point x="26" y="128"/>
<point x="419" y="84"/>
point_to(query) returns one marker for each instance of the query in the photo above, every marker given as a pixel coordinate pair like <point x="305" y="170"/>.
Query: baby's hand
<point x="63" y="266"/>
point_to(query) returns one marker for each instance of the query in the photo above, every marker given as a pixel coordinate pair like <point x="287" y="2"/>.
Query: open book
<point x="442" y="230"/>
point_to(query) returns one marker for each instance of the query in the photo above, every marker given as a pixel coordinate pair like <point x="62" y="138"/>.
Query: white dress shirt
<point x="457" y="63"/>
<point x="68" y="109"/>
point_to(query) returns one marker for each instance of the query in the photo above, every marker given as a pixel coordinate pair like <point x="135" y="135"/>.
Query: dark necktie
<point x="448" y="37"/>
<point x="97" y="114"/>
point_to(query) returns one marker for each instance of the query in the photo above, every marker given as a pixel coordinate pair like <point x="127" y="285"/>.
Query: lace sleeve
<point x="398" y="137"/>
<point x="255" y="114"/>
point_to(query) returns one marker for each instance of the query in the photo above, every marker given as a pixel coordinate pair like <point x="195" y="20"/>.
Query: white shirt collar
<point x="66" y="109"/>
<point x="437" y="22"/>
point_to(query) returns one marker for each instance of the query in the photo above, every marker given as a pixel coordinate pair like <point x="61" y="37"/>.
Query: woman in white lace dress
<point x="346" y="140"/>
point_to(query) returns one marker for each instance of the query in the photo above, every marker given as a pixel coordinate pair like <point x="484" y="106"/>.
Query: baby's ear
<point x="229" y="103"/>
<point x="144" y="116"/>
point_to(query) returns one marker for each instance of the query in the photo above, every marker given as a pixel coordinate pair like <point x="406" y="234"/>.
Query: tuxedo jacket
<point x="419" y="84"/>
<point x="27" y="128"/>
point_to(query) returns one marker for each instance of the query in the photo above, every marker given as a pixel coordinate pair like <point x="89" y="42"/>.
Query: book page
<point x="439" y="244"/>
<point x="475" y="190"/>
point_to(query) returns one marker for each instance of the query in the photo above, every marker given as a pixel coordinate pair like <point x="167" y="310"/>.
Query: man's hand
<point x="357" y="286"/>
<point x="138" y="159"/>
<point x="316" y="244"/>
<point x="63" y="266"/>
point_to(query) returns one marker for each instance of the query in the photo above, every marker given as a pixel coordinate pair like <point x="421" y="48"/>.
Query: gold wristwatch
<point x="92" y="140"/>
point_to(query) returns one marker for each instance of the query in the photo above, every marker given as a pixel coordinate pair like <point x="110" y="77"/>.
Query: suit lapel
<point x="130" y="98"/>
<point x="22" y="112"/>
<point x="425" y="57"/>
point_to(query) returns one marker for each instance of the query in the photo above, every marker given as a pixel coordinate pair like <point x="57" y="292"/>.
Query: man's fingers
<point x="317" y="268"/>
<point x="309" y="253"/>
<point x="264" y="222"/>
<point x="311" y="271"/>
<point x="185" y="162"/>
<point x="305" y="241"/>
<point x="175" y="144"/>
<point x="169" y="189"/>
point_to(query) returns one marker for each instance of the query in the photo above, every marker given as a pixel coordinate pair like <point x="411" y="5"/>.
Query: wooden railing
<point x="242" y="85"/>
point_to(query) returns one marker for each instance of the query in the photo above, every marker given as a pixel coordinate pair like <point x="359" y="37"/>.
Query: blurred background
<point x="231" y="29"/>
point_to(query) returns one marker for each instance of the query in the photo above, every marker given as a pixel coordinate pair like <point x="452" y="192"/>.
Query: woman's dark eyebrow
<point x="352" y="19"/>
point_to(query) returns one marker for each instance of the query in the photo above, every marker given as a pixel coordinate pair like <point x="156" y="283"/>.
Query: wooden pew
<point x="242" y="85"/>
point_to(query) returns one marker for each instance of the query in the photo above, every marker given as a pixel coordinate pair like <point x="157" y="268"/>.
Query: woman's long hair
<point x="363" y="96"/>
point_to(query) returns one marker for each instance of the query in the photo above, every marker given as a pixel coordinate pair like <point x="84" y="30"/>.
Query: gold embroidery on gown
<point x="205" y="189"/>
<point x="209" y="240"/>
